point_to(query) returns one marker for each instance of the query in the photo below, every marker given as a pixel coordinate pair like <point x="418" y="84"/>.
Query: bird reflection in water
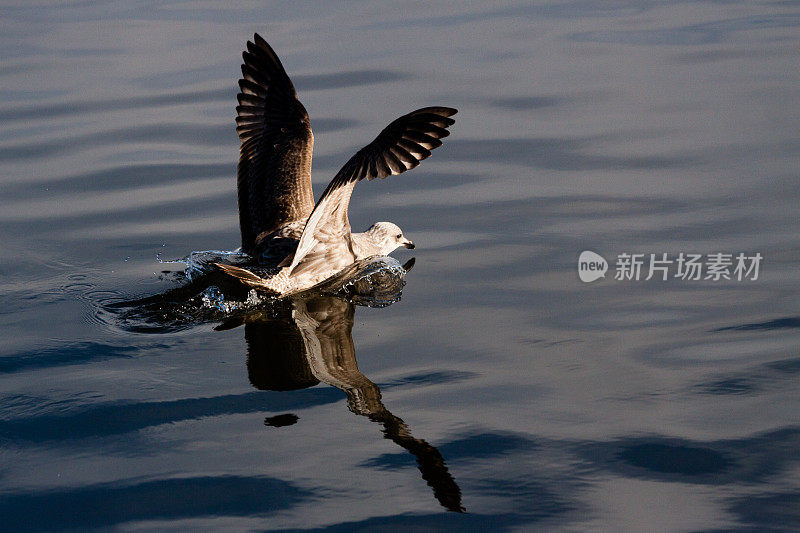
<point x="300" y="341"/>
<point x="310" y="342"/>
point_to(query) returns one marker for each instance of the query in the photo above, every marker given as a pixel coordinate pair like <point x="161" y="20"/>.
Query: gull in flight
<point x="280" y="224"/>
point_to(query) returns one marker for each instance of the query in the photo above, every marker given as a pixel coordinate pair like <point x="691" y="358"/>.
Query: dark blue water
<point x="500" y="384"/>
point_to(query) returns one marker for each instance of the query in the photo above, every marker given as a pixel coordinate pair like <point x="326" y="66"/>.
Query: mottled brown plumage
<point x="279" y="222"/>
<point x="274" y="175"/>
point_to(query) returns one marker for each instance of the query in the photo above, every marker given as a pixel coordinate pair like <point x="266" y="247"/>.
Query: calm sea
<point x="500" y="385"/>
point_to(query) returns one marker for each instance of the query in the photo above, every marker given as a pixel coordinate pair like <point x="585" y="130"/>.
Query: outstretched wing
<point x="399" y="147"/>
<point x="274" y="177"/>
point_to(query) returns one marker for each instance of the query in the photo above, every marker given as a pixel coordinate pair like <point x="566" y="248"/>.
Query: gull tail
<point x="246" y="277"/>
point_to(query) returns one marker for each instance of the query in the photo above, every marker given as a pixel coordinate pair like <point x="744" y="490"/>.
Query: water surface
<point x="500" y="383"/>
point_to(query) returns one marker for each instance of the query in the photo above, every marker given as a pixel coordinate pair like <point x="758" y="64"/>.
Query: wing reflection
<point x="310" y="341"/>
<point x="300" y="341"/>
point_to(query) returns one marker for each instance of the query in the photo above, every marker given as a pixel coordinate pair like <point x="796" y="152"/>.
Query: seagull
<point x="281" y="225"/>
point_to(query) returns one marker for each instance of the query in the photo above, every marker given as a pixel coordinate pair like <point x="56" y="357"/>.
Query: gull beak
<point x="408" y="244"/>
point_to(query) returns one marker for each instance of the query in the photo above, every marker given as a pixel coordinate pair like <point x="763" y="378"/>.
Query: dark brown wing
<point x="399" y="147"/>
<point x="274" y="177"/>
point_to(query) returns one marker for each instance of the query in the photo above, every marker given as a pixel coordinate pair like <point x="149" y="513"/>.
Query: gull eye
<point x="399" y="235"/>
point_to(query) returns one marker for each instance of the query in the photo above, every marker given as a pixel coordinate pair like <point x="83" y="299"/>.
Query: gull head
<point x="388" y="237"/>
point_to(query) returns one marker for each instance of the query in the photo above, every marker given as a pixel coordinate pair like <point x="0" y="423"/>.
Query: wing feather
<point x="274" y="175"/>
<point x="399" y="147"/>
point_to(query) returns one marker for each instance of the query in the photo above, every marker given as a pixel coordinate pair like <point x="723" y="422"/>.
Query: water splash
<point x="208" y="295"/>
<point x="214" y="298"/>
<point x="377" y="282"/>
<point x="201" y="262"/>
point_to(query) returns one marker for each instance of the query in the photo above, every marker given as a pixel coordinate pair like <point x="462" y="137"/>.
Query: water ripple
<point x="694" y="34"/>
<point x="310" y="82"/>
<point x="790" y="322"/>
<point x="103" y="420"/>
<point x="557" y="154"/>
<point x="68" y="354"/>
<point x="107" y="504"/>
<point x="185" y="134"/>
